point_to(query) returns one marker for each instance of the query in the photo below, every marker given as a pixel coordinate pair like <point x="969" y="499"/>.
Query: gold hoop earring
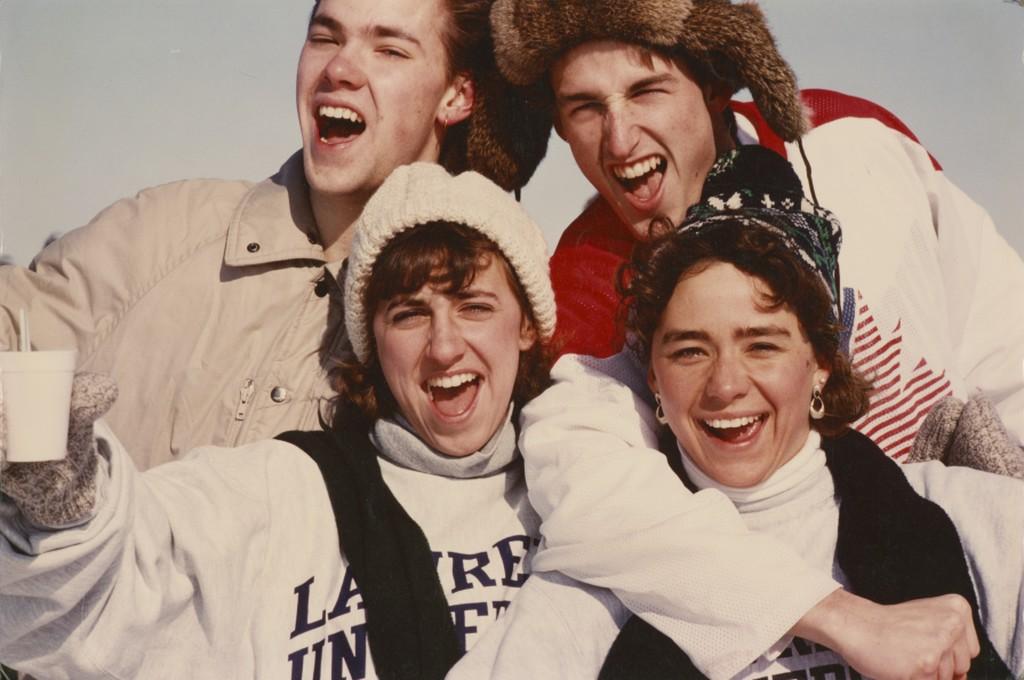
<point x="817" y="404"/>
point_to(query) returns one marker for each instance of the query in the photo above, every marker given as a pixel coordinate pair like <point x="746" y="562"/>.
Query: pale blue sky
<point x="100" y="98"/>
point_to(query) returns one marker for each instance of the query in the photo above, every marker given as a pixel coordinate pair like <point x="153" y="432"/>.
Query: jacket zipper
<point x="245" y="398"/>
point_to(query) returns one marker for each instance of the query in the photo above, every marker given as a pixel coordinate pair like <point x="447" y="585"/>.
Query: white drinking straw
<point x="24" y="337"/>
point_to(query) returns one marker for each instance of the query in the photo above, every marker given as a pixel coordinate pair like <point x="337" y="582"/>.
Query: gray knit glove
<point x="971" y="435"/>
<point x="61" y="493"/>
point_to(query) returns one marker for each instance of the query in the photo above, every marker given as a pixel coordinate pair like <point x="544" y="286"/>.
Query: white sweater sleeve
<point x="983" y="278"/>
<point x="988" y="511"/>
<point x="555" y="628"/>
<point x="615" y="516"/>
<point x="171" y="558"/>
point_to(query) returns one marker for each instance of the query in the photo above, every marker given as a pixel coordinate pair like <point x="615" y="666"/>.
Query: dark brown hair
<point x="443" y="254"/>
<point x="467" y="42"/>
<point x="648" y="281"/>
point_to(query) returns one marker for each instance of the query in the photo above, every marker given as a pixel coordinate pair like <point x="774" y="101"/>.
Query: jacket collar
<point x="274" y="221"/>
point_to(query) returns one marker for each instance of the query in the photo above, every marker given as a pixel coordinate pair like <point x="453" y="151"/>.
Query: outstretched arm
<point x="616" y="516"/>
<point x="103" y="570"/>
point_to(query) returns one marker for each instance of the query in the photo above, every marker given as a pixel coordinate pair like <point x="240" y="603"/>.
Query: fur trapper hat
<point x="421" y="193"/>
<point x="731" y="40"/>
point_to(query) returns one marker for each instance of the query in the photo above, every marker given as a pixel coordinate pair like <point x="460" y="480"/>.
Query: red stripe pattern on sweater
<point x="897" y="408"/>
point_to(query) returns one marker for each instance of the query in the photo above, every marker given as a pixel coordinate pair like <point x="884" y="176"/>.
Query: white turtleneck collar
<point x="800" y="469"/>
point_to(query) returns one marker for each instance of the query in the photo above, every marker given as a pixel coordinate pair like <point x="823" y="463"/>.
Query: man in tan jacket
<point x="214" y="304"/>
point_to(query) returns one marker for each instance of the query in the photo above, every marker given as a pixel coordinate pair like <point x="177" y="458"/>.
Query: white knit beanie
<point x="416" y="194"/>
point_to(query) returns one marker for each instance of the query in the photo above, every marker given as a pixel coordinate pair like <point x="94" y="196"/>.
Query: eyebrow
<point x="332" y="24"/>
<point x="412" y="300"/>
<point x="467" y="293"/>
<point x="403" y="301"/>
<point x="645" y="83"/>
<point x="642" y="84"/>
<point x="324" y="21"/>
<point x="575" y="97"/>
<point x="762" y="331"/>
<point x="394" y="32"/>
<point x="680" y="335"/>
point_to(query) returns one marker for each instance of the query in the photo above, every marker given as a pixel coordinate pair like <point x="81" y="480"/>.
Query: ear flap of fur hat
<point x="732" y="40"/>
<point x="508" y="132"/>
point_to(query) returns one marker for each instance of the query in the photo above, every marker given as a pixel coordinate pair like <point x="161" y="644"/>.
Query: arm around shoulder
<point x="616" y="516"/>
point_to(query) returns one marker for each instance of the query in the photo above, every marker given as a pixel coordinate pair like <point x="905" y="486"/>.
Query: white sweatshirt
<point x="226" y="565"/>
<point x="558" y="628"/>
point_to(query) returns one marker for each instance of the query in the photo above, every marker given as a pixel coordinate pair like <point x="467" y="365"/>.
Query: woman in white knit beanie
<point x="382" y="547"/>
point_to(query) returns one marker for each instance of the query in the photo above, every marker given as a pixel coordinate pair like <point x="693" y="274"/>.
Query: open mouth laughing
<point x="338" y="124"/>
<point x="733" y="430"/>
<point x="453" y="395"/>
<point x="641" y="179"/>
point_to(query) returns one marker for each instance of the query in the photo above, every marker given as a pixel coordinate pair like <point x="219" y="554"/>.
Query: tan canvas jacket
<point x="201" y="298"/>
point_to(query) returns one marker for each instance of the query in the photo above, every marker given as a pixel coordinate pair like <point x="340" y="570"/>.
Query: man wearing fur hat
<point x="640" y="91"/>
<point x="214" y="303"/>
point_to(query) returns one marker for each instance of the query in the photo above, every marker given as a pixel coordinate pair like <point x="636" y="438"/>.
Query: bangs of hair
<point x="445" y="255"/>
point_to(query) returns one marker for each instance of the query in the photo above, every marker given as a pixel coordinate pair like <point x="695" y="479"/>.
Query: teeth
<point x="637" y="169"/>
<point x="342" y="112"/>
<point x="450" y="381"/>
<point x="730" y="423"/>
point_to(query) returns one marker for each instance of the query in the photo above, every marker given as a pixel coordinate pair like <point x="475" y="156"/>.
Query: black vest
<point x="409" y="629"/>
<point x="893" y="545"/>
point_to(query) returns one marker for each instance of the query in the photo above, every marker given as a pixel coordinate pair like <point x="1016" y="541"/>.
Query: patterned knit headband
<point x="756" y="186"/>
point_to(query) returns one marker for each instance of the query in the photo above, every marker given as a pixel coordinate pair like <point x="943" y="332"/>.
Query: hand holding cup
<point x="60" y="493"/>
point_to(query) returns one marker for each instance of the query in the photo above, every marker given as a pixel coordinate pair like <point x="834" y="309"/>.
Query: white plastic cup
<point x="37" y="403"/>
